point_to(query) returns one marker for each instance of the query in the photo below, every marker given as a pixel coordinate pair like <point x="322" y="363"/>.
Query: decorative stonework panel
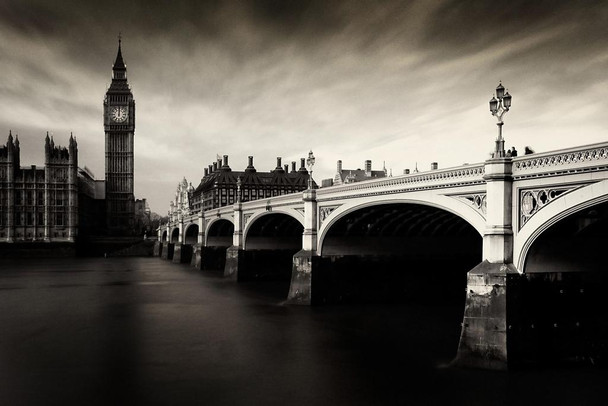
<point x="246" y="219"/>
<point x="324" y="212"/>
<point x="477" y="201"/>
<point x="531" y="201"/>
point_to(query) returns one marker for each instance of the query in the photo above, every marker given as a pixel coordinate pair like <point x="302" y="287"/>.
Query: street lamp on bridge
<point x="310" y="162"/>
<point x="499" y="105"/>
<point x="239" y="183"/>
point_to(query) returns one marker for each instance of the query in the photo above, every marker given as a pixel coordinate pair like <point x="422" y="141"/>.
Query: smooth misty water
<point x="145" y="331"/>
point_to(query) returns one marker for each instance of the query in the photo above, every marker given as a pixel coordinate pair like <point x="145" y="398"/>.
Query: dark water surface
<point x="145" y="331"/>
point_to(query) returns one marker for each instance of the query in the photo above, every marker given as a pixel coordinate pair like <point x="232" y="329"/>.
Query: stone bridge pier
<point x="492" y="285"/>
<point x="197" y="248"/>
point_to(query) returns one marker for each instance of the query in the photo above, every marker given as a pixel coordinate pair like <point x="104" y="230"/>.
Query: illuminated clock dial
<point x="119" y="114"/>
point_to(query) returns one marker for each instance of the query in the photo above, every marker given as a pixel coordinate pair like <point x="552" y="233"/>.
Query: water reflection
<point x="145" y="331"/>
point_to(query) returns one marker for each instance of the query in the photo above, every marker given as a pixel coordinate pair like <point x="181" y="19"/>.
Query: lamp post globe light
<point x="499" y="105"/>
<point x="310" y="162"/>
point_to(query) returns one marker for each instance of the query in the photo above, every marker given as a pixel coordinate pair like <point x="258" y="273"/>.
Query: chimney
<point x="278" y="163"/>
<point x="433" y="166"/>
<point x="339" y="166"/>
<point x="368" y="168"/>
<point x="293" y="166"/>
<point x="225" y="160"/>
<point x="250" y="167"/>
<point x="406" y="171"/>
<point x="215" y="166"/>
<point x="206" y="171"/>
<point x="210" y="169"/>
<point x="302" y="166"/>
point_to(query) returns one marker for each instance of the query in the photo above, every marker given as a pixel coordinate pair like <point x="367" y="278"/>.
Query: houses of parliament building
<point x="58" y="202"/>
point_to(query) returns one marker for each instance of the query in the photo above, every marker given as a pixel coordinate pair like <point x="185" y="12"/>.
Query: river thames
<point x="131" y="331"/>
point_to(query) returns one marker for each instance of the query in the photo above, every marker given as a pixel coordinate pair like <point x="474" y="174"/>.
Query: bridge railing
<point x="460" y="175"/>
<point x="274" y="201"/>
<point x="584" y="158"/>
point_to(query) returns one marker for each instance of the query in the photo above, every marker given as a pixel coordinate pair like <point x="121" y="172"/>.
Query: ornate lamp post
<point x="310" y="162"/>
<point x="239" y="183"/>
<point x="499" y="105"/>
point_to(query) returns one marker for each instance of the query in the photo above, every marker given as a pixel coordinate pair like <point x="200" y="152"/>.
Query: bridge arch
<point x="191" y="234"/>
<point x="175" y="235"/>
<point x="288" y="225"/>
<point x="564" y="278"/>
<point x="163" y="237"/>
<point x="398" y="251"/>
<point x="444" y="203"/>
<point x="219" y="232"/>
<point x="567" y="205"/>
<point x="270" y="240"/>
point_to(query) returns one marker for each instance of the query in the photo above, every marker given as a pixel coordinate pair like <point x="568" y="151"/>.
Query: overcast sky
<point x="393" y="81"/>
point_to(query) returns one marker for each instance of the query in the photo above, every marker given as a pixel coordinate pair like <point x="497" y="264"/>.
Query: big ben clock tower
<point x="119" y="126"/>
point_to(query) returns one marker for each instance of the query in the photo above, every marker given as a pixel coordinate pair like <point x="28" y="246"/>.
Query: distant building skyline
<point x="345" y="176"/>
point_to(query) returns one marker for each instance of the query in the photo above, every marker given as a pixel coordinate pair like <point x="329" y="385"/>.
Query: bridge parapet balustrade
<point x="586" y="158"/>
<point x="225" y="211"/>
<point x="456" y="176"/>
<point x="191" y="218"/>
<point x="275" y="201"/>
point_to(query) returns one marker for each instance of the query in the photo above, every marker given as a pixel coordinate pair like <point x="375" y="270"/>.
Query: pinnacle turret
<point x="119" y="69"/>
<point x="119" y="64"/>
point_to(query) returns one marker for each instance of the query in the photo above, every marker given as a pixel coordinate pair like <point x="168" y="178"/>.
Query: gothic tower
<point x="119" y="125"/>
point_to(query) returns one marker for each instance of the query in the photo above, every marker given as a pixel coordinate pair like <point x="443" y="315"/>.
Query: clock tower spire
<point x="119" y="70"/>
<point x="119" y="126"/>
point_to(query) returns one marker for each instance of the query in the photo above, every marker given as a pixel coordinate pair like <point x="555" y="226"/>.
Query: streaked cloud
<point x="400" y="82"/>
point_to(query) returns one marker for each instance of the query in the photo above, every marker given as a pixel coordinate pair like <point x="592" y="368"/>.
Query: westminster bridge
<point x="525" y="235"/>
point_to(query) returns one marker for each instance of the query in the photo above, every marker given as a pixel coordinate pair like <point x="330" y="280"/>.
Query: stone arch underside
<point x="164" y="236"/>
<point x="219" y="233"/>
<point x="406" y="253"/>
<point x="270" y="242"/>
<point x="191" y="234"/>
<point x="445" y="203"/>
<point x="273" y="230"/>
<point x="401" y="251"/>
<point x="174" y="235"/>
<point x="396" y="228"/>
<point x="218" y="237"/>
<point x="563" y="290"/>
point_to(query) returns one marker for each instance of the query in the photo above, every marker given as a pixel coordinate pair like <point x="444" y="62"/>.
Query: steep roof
<point x="119" y="64"/>
<point x="358" y="175"/>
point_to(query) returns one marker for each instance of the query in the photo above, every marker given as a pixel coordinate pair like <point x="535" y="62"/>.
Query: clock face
<point x="119" y="114"/>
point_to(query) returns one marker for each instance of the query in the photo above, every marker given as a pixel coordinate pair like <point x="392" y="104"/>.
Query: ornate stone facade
<point x="39" y="204"/>
<point x="181" y="205"/>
